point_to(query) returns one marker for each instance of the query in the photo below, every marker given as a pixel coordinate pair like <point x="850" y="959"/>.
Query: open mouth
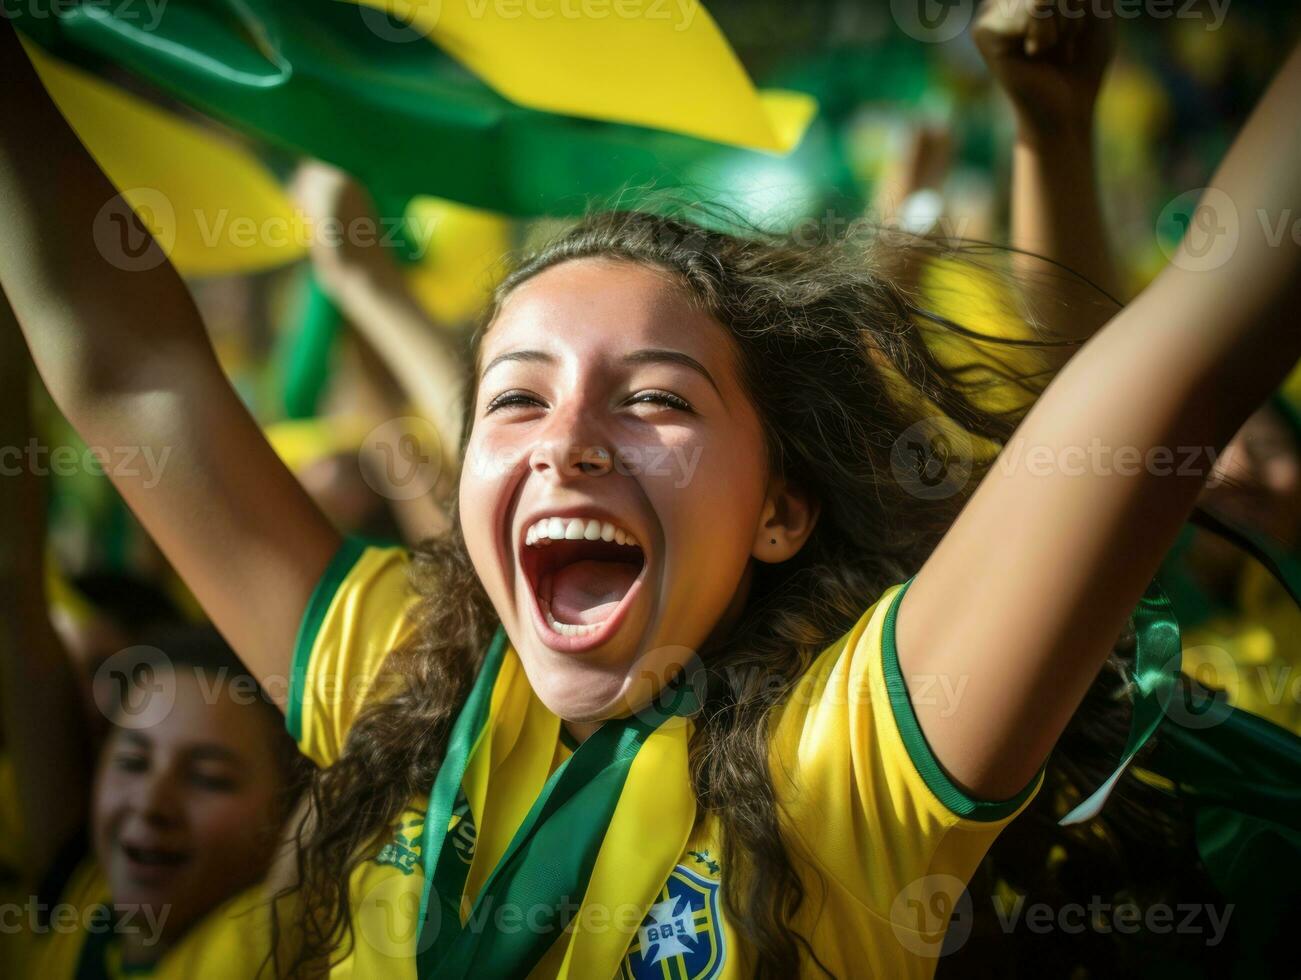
<point x="152" y="864"/>
<point x="583" y="574"/>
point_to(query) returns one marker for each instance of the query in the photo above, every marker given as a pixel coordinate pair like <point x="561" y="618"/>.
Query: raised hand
<point x="1049" y="56"/>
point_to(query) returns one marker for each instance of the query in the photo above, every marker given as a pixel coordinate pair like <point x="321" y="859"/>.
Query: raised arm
<point x="1051" y="64"/>
<point x="40" y="708"/>
<point x="119" y="342"/>
<point x="361" y="275"/>
<point x="1025" y="595"/>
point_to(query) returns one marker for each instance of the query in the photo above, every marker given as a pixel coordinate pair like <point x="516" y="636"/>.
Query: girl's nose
<point x="158" y="799"/>
<point x="571" y="447"/>
<point x="570" y="459"/>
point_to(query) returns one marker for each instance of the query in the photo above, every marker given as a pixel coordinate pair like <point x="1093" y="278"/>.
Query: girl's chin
<point x="578" y="692"/>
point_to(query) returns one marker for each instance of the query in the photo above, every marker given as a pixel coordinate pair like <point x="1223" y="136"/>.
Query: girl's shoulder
<point x="356" y="616"/>
<point x="847" y="754"/>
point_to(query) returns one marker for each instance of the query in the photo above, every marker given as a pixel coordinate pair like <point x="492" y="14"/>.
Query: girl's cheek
<point x="493" y="456"/>
<point x="235" y="831"/>
<point x="106" y="799"/>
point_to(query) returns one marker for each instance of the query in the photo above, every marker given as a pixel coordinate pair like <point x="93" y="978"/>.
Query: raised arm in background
<point x="362" y="276"/>
<point x="120" y="345"/>
<point x="1049" y="58"/>
<point x="40" y="704"/>
<point x="1071" y="524"/>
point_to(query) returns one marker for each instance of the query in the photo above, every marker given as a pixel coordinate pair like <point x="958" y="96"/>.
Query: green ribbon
<point x="310" y="346"/>
<point x="1290" y="412"/>
<point x="550" y="858"/>
<point x="1157" y="660"/>
<point x="91" y="961"/>
<point x="1158" y="656"/>
<point x="1285" y="567"/>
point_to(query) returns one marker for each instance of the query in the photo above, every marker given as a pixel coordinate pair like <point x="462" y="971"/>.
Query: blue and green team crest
<point x="682" y="935"/>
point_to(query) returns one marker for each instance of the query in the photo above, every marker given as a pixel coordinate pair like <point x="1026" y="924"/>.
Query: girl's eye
<point x="218" y="784"/>
<point x="131" y="763"/>
<point x="666" y="398"/>
<point x="510" y="399"/>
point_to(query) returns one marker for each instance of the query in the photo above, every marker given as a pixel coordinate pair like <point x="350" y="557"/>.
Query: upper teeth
<point x="576" y="529"/>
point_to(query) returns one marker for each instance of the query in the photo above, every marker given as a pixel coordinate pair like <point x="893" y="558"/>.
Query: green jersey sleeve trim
<point x="948" y="793"/>
<point x="340" y="565"/>
<point x="1291" y="413"/>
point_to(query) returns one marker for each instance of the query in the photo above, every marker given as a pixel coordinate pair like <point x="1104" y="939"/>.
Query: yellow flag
<point x="461" y="250"/>
<point x="657" y="63"/>
<point x="214" y="209"/>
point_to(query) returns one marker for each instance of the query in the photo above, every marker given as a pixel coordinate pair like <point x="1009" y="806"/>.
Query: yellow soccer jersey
<point x="78" y="940"/>
<point x="884" y="841"/>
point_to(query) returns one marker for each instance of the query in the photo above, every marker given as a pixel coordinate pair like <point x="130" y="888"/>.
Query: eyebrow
<point x="646" y="355"/>
<point x="540" y="356"/>
<point x="204" y="751"/>
<point x="214" y="753"/>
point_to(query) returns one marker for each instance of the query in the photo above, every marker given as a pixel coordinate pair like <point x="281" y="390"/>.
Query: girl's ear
<point x="789" y="515"/>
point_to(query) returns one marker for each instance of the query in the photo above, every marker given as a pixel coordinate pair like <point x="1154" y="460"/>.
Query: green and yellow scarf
<point x="564" y="837"/>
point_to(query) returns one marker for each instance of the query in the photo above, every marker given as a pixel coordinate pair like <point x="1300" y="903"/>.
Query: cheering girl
<point x="703" y="681"/>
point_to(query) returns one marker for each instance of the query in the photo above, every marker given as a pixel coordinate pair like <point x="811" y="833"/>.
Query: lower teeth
<point x="566" y="629"/>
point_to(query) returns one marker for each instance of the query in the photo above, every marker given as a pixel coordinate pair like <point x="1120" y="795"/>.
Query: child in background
<point x="192" y="789"/>
<point x="154" y="861"/>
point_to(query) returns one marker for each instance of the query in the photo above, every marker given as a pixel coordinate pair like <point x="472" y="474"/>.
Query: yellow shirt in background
<point x="230" y="941"/>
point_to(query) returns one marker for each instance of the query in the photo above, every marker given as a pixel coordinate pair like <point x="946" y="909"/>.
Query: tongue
<point x="588" y="591"/>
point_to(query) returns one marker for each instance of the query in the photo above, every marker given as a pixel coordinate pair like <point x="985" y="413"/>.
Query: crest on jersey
<point x="682" y="934"/>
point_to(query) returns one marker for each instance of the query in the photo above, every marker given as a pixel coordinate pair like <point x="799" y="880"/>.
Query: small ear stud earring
<point x="772" y="540"/>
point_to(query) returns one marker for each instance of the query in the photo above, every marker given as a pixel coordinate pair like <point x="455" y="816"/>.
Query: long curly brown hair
<point x="837" y="354"/>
